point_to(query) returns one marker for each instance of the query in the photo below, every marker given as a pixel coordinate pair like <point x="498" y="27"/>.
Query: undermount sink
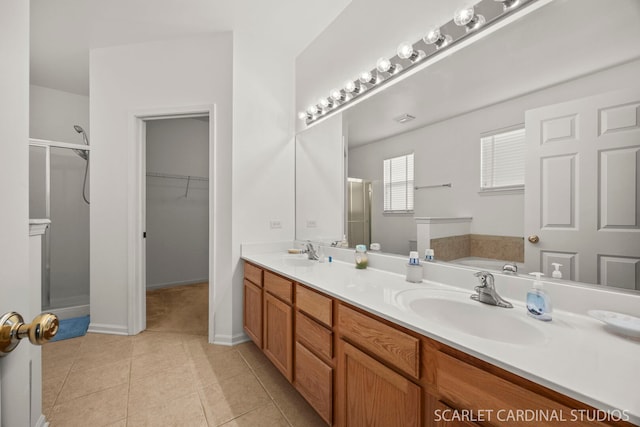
<point x="298" y="260"/>
<point x="455" y="309"/>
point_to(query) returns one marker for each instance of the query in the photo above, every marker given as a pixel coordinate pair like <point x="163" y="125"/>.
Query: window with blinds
<point x="502" y="160"/>
<point x="398" y="184"/>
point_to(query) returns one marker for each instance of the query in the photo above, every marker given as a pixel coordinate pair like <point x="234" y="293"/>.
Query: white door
<point x="582" y="189"/>
<point x="14" y="231"/>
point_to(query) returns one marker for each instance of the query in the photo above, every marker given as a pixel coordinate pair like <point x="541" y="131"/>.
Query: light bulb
<point x="337" y="95"/>
<point x="435" y="37"/>
<point x="302" y="115"/>
<point x="508" y="4"/>
<point x="325" y="103"/>
<point x="384" y="65"/>
<point x="350" y="87"/>
<point x="313" y="109"/>
<point x="367" y="77"/>
<point x="405" y="50"/>
<point x="466" y="17"/>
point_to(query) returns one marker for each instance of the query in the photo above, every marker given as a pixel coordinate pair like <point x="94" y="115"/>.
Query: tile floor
<point x="160" y="378"/>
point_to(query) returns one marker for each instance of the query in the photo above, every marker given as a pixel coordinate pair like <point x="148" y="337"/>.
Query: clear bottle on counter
<point x="362" y="260"/>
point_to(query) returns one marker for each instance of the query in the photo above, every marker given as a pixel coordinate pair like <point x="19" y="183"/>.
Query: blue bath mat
<point x="72" y="328"/>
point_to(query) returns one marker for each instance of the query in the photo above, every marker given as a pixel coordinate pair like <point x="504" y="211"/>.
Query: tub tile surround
<point x="579" y="358"/>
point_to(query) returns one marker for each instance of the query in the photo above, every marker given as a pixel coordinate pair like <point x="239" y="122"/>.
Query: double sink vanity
<point x="365" y="347"/>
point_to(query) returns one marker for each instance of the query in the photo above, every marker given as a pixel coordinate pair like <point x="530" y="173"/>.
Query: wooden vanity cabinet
<point x="377" y="365"/>
<point x="314" y="366"/>
<point x="278" y="322"/>
<point x="252" y="303"/>
<point x="356" y="369"/>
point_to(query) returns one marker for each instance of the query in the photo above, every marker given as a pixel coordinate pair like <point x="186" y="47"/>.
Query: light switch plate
<point x="275" y="224"/>
<point x="311" y="223"/>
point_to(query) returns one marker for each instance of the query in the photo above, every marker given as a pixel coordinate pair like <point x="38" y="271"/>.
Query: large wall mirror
<point x="555" y="92"/>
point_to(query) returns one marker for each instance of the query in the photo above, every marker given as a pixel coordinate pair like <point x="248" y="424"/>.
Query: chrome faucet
<point x="487" y="291"/>
<point x="311" y="252"/>
<point x="510" y="268"/>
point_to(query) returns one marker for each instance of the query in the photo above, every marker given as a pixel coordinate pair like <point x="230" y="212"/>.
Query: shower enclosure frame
<point x="47" y="145"/>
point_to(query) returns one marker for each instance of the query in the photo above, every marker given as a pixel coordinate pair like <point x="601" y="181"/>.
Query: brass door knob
<point x="534" y="239"/>
<point x="12" y="329"/>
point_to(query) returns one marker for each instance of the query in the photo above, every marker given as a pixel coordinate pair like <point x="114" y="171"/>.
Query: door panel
<point x="582" y="184"/>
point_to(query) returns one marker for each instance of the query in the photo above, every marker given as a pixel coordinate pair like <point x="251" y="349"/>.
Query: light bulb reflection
<point x="466" y="17"/>
<point x="436" y="38"/>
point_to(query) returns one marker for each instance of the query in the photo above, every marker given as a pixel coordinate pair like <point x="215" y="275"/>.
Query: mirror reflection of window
<point x="398" y="184"/>
<point x="502" y="160"/>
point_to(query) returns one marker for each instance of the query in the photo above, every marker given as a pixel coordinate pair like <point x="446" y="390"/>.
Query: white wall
<point x="14" y="215"/>
<point x="449" y="151"/>
<point x="150" y="76"/>
<point x="177" y="222"/>
<point x="52" y="114"/>
<point x="263" y="157"/>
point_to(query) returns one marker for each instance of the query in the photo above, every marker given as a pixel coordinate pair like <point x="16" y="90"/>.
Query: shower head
<point x="82" y="153"/>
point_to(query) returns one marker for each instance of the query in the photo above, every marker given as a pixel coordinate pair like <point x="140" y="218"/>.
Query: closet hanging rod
<point x="433" y="186"/>
<point x="187" y="177"/>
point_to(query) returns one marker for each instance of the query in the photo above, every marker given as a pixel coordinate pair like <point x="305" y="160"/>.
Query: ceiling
<point x="63" y="31"/>
<point x="558" y="42"/>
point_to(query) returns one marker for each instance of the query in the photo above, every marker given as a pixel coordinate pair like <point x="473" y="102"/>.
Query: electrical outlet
<point x="275" y="224"/>
<point x="311" y="223"/>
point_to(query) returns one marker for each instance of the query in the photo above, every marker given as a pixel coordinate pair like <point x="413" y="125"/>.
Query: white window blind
<point x="502" y="160"/>
<point x="398" y="184"/>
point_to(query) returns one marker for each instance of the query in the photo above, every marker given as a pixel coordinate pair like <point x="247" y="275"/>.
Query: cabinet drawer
<point x="278" y="286"/>
<point x="464" y="386"/>
<point x="315" y="336"/>
<point x="314" y="381"/>
<point x="315" y="305"/>
<point x="387" y="343"/>
<point x="253" y="274"/>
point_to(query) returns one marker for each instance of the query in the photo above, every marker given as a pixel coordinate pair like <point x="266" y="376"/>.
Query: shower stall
<point x="59" y="191"/>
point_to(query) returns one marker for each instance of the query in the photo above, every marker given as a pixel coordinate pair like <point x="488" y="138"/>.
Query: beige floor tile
<point x="158" y="390"/>
<point x="62" y="349"/>
<point x="232" y="397"/>
<point x="96" y="342"/>
<point x="59" y="367"/>
<point x="197" y="346"/>
<point x="155" y="342"/>
<point x="95" y="410"/>
<point x="51" y="387"/>
<point x="216" y="367"/>
<point x="87" y="381"/>
<point x="121" y="423"/>
<point x="102" y="354"/>
<point x="292" y="405"/>
<point x="265" y="416"/>
<point x="156" y="363"/>
<point x="185" y="411"/>
<point x="253" y="355"/>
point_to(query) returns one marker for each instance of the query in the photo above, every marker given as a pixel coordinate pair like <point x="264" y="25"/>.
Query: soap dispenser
<point x="557" y="274"/>
<point x="538" y="300"/>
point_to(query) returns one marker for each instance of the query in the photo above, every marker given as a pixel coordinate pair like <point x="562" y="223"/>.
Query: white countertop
<point x="578" y="358"/>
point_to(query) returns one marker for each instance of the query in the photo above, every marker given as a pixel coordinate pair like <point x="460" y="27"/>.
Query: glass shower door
<point x="56" y="193"/>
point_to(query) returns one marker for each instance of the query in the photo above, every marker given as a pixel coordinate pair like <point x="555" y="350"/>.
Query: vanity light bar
<point x="467" y="22"/>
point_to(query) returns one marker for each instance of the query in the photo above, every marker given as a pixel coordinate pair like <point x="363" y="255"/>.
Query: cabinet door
<point x="372" y="395"/>
<point x="278" y="334"/>
<point x="252" y="315"/>
<point x="314" y="381"/>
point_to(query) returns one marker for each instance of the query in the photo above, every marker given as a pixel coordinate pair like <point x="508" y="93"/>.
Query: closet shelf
<point x="189" y="178"/>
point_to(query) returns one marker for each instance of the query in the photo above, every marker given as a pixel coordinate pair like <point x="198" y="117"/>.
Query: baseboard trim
<point x="70" y="312"/>
<point x="101" y="328"/>
<point x="42" y="422"/>
<point x="230" y="340"/>
<point x="172" y="284"/>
